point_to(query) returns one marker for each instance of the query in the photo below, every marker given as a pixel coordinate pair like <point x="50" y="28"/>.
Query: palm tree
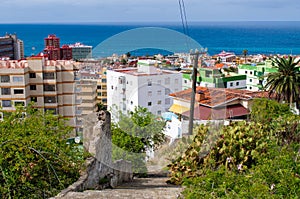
<point x="285" y="83"/>
<point x="245" y="52"/>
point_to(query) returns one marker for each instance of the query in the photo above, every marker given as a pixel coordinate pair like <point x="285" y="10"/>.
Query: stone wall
<point x="100" y="171"/>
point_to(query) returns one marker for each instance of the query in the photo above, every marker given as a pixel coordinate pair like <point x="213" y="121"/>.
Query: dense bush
<point x="35" y="161"/>
<point x="244" y="159"/>
<point x="274" y="176"/>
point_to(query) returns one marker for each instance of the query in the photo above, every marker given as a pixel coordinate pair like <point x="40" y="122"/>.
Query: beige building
<point x="49" y="84"/>
<point x="87" y="96"/>
<point x="102" y="88"/>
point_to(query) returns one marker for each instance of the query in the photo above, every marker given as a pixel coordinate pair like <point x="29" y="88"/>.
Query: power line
<point x="184" y="13"/>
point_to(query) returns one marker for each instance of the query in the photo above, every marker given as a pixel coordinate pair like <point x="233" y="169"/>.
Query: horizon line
<point x="143" y="22"/>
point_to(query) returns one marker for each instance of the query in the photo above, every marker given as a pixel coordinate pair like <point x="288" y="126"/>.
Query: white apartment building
<point x="49" y="84"/>
<point x="145" y="86"/>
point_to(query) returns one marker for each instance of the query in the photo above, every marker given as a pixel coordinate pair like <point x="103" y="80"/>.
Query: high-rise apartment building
<point x="49" y="84"/>
<point x="11" y="48"/>
<point x="52" y="47"/>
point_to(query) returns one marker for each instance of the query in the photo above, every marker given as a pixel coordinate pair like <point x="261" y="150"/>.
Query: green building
<point x="256" y="74"/>
<point x="215" y="78"/>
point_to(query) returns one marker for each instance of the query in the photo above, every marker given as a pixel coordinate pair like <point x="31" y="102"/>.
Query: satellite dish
<point x="77" y="140"/>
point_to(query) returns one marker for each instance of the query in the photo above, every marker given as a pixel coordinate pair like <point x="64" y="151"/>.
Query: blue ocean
<point x="256" y="37"/>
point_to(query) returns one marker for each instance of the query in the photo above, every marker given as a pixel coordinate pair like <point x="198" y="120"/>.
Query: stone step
<point x="139" y="188"/>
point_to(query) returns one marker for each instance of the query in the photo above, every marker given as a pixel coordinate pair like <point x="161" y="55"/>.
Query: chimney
<point x="200" y="96"/>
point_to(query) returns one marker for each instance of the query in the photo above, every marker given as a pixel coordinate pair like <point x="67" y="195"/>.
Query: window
<point x="250" y="72"/>
<point x="167" y="101"/>
<point x="231" y="84"/>
<point x="5" y="91"/>
<point x="103" y="80"/>
<point x="32" y="75"/>
<point x="185" y="81"/>
<point x="49" y="87"/>
<point x="33" y="87"/>
<point x="246" y="72"/>
<point x="48" y="76"/>
<point x="159" y="102"/>
<point x="112" y="87"/>
<point x="18" y="91"/>
<point x="149" y="93"/>
<point x="52" y="110"/>
<point x="49" y="99"/>
<point x="250" y="80"/>
<point x="33" y="99"/>
<point x="158" y="112"/>
<point x="250" y="87"/>
<point x="159" y="92"/>
<point x="149" y="83"/>
<point x="99" y="87"/>
<point x="5" y="78"/>
<point x="6" y="103"/>
<point x="237" y="83"/>
<point x="18" y="79"/>
<point x="131" y="102"/>
<point x="167" y="91"/>
<point x="167" y="80"/>
<point x="19" y="103"/>
<point x="149" y="103"/>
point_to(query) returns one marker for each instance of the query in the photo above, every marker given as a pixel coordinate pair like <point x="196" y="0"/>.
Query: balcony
<point x="78" y="112"/>
<point x="77" y="90"/>
<point x="78" y="101"/>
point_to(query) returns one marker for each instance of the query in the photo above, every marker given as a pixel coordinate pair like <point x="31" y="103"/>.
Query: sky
<point x="78" y="11"/>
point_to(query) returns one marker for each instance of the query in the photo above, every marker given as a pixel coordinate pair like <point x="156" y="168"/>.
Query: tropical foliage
<point x="245" y="52"/>
<point x="35" y="159"/>
<point x="285" y="84"/>
<point x="244" y="159"/>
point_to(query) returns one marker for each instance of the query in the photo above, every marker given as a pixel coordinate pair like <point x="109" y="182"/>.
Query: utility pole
<point x="194" y="80"/>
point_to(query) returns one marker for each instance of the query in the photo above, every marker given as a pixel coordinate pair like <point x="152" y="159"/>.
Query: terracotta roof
<point x="207" y="113"/>
<point x="213" y="97"/>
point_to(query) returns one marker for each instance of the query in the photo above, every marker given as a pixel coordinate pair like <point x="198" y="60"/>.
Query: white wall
<point x="237" y="84"/>
<point x="139" y="93"/>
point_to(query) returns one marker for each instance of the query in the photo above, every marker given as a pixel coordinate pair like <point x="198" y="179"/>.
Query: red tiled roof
<point x="207" y="113"/>
<point x="213" y="97"/>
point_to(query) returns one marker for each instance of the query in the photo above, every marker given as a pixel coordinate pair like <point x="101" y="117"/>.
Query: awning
<point x="175" y="108"/>
<point x="169" y="115"/>
<point x="207" y="113"/>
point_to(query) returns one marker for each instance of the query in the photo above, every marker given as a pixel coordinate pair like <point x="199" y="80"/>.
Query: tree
<point x="285" y="84"/>
<point x="143" y="124"/>
<point x="134" y="134"/>
<point x="35" y="159"/>
<point x="265" y="110"/>
<point x="101" y="107"/>
<point x="245" y="52"/>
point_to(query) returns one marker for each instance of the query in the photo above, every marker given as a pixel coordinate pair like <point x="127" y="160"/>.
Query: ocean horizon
<point x="258" y="37"/>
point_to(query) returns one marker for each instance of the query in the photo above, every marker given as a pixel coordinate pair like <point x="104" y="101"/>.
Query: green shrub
<point x="35" y="161"/>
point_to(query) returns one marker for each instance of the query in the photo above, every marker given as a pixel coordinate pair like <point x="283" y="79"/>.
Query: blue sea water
<point x="256" y="37"/>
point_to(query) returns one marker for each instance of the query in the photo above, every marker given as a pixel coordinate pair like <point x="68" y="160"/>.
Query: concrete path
<point x="139" y="188"/>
